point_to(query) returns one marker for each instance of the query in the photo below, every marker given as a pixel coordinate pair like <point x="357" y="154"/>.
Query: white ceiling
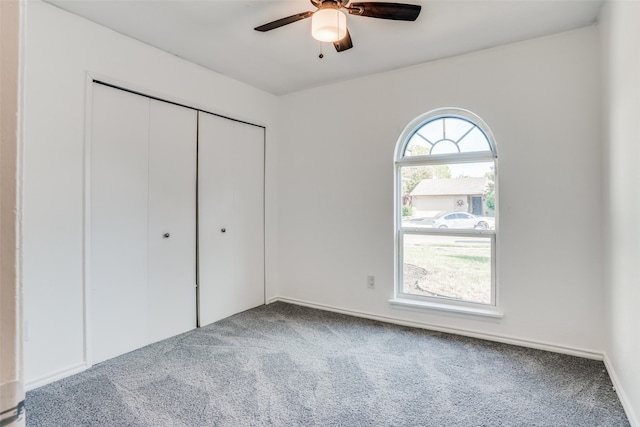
<point x="219" y="35"/>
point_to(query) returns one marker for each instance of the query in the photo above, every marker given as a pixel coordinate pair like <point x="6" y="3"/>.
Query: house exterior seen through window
<point x="446" y="209"/>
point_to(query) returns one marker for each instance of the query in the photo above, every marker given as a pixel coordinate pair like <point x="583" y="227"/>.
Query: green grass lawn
<point x="451" y="267"/>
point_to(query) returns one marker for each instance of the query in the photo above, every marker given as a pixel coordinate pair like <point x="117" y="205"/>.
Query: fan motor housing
<point x="336" y="4"/>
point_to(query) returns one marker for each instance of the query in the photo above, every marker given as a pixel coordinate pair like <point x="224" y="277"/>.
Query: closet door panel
<point x="248" y="207"/>
<point x="215" y="204"/>
<point x="172" y="212"/>
<point x="118" y="222"/>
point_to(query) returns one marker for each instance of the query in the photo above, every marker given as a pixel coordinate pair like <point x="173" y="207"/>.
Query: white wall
<point x="621" y="42"/>
<point x="541" y="98"/>
<point x="60" y="50"/>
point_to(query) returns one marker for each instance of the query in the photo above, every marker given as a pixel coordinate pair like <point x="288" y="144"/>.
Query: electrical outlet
<point x="371" y="282"/>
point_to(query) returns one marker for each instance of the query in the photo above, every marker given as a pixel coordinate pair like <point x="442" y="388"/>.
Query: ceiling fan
<point x="329" y="23"/>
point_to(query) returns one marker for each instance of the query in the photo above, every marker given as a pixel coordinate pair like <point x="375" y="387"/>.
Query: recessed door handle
<point x="166" y="235"/>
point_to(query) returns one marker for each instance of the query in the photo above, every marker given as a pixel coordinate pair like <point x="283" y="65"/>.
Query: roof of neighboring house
<point x="450" y="187"/>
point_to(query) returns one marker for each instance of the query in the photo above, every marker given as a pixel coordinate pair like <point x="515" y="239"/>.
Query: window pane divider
<point x="448" y="232"/>
<point x="439" y="159"/>
<point x="466" y="133"/>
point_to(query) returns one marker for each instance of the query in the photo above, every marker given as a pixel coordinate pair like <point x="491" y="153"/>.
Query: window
<point x="446" y="207"/>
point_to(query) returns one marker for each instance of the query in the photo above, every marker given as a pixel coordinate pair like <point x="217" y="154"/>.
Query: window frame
<point x="402" y="299"/>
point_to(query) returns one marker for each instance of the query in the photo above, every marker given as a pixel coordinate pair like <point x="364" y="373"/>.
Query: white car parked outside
<point x="464" y="220"/>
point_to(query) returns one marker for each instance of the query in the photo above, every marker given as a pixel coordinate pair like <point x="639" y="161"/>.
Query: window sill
<point x="410" y="304"/>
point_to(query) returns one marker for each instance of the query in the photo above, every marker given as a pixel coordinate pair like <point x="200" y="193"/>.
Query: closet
<point x="175" y="220"/>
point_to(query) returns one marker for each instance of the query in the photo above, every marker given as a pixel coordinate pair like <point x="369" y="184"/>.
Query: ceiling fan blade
<point x="344" y="43"/>
<point x="284" y="21"/>
<point x="395" y="11"/>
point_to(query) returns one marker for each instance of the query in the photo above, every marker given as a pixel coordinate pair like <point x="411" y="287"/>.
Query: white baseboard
<point x="63" y="373"/>
<point x="468" y="333"/>
<point x="624" y="399"/>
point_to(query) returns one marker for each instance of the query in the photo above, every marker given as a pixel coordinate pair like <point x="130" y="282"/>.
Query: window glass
<point x="447" y="135"/>
<point x="431" y="192"/>
<point x="474" y="141"/>
<point x="452" y="267"/>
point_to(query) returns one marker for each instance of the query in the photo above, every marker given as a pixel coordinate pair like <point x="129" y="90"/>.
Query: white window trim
<point x="418" y="302"/>
<point x="414" y="305"/>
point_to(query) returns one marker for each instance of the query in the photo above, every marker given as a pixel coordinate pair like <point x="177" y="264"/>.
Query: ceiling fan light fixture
<point x="328" y="25"/>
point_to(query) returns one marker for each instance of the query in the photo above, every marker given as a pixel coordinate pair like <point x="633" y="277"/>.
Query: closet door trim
<point x="135" y="92"/>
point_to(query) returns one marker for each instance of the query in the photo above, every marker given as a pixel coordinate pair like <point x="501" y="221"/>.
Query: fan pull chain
<point x="321" y="54"/>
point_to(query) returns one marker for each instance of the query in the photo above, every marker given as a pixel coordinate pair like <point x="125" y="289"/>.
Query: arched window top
<point x="446" y="132"/>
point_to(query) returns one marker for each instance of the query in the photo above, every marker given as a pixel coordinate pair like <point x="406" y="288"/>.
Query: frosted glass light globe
<point x="328" y="25"/>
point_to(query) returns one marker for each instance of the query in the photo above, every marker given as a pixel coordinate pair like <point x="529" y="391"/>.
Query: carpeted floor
<point x="285" y="365"/>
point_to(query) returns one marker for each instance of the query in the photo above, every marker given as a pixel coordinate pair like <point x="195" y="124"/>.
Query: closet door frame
<point x="90" y="80"/>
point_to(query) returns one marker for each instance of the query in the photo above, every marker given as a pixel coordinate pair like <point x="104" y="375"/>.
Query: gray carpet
<point x="285" y="365"/>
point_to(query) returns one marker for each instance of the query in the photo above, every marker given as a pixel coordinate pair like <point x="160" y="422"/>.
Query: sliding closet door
<point x="142" y="221"/>
<point x="231" y="217"/>
<point x="118" y="217"/>
<point x="248" y="208"/>
<point x="172" y="220"/>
